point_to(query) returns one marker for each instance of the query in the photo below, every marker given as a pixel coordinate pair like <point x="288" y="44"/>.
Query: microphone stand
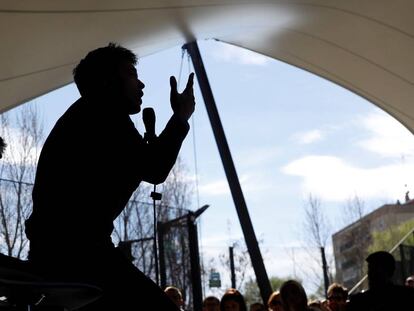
<point x="156" y="196"/>
<point x="149" y="136"/>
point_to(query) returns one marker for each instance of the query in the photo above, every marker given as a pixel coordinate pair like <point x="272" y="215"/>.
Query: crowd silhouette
<point x="382" y="294"/>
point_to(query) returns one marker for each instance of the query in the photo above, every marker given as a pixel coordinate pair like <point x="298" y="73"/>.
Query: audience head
<point x="2" y="147"/>
<point x="232" y="300"/>
<point x="293" y="296"/>
<point x="175" y="295"/>
<point x="257" y="306"/>
<point x="211" y="303"/>
<point x="410" y="281"/>
<point x="274" y="303"/>
<point x="381" y="266"/>
<point x="316" y="305"/>
<point x="337" y="296"/>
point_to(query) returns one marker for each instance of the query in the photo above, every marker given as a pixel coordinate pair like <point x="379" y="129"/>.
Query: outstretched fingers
<point x="190" y="83"/>
<point x="173" y="84"/>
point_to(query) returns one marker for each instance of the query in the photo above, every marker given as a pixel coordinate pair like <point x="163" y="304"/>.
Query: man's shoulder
<point x="71" y="125"/>
<point x="360" y="301"/>
<point x="403" y="292"/>
<point x="78" y="117"/>
<point x="360" y="296"/>
<point x="78" y="109"/>
<point x="394" y="295"/>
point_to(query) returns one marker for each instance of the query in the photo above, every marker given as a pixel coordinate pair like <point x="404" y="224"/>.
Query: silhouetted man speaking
<point x="91" y="163"/>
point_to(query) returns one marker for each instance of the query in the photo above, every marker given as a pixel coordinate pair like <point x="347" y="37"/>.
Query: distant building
<point x="350" y="243"/>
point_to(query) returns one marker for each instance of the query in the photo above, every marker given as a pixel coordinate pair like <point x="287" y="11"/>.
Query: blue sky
<point x="291" y="133"/>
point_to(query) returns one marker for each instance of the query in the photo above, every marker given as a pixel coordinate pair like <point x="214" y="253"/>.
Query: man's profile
<point x="91" y="163"/>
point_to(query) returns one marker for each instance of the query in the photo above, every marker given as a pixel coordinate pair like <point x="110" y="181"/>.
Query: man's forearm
<point x="161" y="154"/>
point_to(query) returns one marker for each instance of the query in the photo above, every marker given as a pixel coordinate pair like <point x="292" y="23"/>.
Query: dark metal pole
<point x="233" y="272"/>
<point x="325" y="271"/>
<point x="230" y="170"/>
<point x="195" y="263"/>
<point x="163" y="274"/>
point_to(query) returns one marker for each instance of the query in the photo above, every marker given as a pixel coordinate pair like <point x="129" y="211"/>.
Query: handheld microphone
<point x="148" y="116"/>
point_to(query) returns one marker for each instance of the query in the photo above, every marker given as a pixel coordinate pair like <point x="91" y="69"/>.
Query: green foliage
<point x="385" y="240"/>
<point x="251" y="291"/>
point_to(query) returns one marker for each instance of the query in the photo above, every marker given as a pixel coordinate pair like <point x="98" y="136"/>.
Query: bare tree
<point x="176" y="200"/>
<point x="316" y="225"/>
<point x="354" y="210"/>
<point x="316" y="231"/>
<point x="242" y="263"/>
<point x="176" y="192"/>
<point x="23" y="132"/>
<point x="221" y="263"/>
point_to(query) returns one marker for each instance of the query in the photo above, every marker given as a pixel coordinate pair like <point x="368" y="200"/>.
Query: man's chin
<point x="134" y="110"/>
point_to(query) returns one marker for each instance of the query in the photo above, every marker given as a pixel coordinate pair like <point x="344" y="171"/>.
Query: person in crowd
<point x="337" y="297"/>
<point x="317" y="305"/>
<point x="91" y="163"/>
<point x="211" y="303"/>
<point x="410" y="281"/>
<point x="2" y="146"/>
<point x="175" y="295"/>
<point x="382" y="294"/>
<point x="257" y="306"/>
<point x="293" y="296"/>
<point x="232" y="300"/>
<point x="274" y="303"/>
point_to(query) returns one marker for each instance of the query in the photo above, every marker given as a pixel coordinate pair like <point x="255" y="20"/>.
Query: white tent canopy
<point x="363" y="45"/>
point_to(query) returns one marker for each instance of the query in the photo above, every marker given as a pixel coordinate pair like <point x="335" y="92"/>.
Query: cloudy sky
<point x="291" y="134"/>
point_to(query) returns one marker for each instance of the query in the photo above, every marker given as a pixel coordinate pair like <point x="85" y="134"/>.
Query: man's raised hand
<point x="182" y="104"/>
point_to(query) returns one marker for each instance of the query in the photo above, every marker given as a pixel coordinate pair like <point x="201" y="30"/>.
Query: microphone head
<point x="148" y="116"/>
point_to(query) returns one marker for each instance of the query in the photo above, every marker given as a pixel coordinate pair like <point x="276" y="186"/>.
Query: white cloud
<point x="213" y="245"/>
<point x="217" y="187"/>
<point x="389" y="137"/>
<point x="255" y="182"/>
<point x="259" y="156"/>
<point x="248" y="183"/>
<point x="309" y="137"/>
<point x="332" y="179"/>
<point x="231" y="53"/>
